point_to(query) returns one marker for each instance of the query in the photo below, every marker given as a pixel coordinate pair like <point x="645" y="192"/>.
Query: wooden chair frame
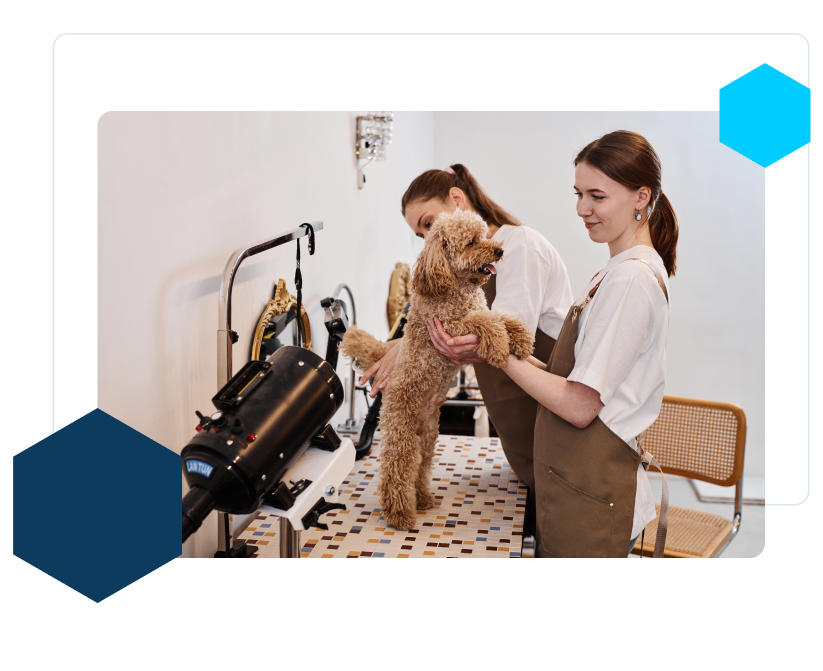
<point x="734" y="478"/>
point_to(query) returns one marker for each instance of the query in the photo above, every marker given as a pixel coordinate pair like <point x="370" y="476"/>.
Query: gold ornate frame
<point x="282" y="302"/>
<point x="399" y="291"/>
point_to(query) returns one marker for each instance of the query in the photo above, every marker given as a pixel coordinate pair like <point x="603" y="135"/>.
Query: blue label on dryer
<point x="199" y="467"/>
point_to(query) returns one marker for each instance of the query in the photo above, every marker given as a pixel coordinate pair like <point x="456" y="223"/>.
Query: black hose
<point x="364" y="443"/>
<point x="336" y="293"/>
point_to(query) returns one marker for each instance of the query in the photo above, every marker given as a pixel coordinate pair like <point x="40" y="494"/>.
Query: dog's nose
<point x="498" y="253"/>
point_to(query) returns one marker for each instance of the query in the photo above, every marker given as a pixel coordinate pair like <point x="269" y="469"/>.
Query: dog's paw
<point x="495" y="350"/>
<point x="522" y="347"/>
<point x="425" y="499"/>
<point x="402" y="520"/>
<point x="497" y="358"/>
<point x="521" y="342"/>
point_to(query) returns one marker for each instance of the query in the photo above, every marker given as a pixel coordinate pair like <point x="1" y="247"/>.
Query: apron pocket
<point x="579" y="524"/>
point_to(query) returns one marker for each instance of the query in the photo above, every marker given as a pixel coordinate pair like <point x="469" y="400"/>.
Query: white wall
<point x="179" y="192"/>
<point x="716" y="347"/>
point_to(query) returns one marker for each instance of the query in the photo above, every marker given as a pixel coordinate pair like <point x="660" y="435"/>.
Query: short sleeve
<point x="521" y="282"/>
<point x="617" y="330"/>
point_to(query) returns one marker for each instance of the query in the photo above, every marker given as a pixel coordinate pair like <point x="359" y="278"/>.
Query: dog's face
<point x="457" y="252"/>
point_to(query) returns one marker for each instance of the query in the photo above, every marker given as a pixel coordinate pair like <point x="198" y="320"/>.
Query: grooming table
<point x="479" y="510"/>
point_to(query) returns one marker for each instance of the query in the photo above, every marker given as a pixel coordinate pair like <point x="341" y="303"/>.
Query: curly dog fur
<point x="448" y="275"/>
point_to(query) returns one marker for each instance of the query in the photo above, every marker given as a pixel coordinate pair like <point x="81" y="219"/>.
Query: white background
<point x="178" y="190"/>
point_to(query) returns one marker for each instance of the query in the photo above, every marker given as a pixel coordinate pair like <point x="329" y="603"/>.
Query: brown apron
<point x="513" y="412"/>
<point x="586" y="479"/>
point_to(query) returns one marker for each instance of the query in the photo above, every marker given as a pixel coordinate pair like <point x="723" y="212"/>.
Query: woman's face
<point x="420" y="214"/>
<point x="607" y="207"/>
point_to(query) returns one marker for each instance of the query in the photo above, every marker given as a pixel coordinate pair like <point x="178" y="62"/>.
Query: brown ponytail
<point x="630" y="160"/>
<point x="437" y="183"/>
<point x="664" y="231"/>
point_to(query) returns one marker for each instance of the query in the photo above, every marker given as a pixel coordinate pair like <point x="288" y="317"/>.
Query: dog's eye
<point x="471" y="243"/>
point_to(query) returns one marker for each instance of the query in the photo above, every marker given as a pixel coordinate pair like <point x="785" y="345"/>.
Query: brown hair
<point x="437" y="183"/>
<point x="630" y="160"/>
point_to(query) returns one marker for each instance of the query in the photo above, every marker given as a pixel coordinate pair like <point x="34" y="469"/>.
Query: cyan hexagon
<point x="765" y="115"/>
<point x="97" y="505"/>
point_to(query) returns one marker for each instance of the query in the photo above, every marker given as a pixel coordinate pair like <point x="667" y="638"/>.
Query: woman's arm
<point x="573" y="401"/>
<point x="537" y="362"/>
<point x="620" y="323"/>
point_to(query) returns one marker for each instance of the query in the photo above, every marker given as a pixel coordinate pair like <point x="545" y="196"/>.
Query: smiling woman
<point x="616" y="173"/>
<point x="604" y="385"/>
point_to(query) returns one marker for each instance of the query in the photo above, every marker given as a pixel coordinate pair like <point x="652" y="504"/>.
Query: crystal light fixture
<point x="374" y="133"/>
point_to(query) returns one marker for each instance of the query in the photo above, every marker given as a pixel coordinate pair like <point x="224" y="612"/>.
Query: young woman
<point x="531" y="283"/>
<point x="603" y="385"/>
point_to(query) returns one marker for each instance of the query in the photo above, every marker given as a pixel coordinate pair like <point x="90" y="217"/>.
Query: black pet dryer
<point x="267" y="416"/>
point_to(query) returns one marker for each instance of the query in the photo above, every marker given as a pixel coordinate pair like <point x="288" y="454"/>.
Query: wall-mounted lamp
<point x="374" y="132"/>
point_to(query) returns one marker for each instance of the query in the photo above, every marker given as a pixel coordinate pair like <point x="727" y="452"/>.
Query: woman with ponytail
<point x="531" y="283"/>
<point x="603" y="386"/>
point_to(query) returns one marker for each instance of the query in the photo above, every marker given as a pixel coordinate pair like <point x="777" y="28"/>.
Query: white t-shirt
<point x="532" y="282"/>
<point x="621" y="353"/>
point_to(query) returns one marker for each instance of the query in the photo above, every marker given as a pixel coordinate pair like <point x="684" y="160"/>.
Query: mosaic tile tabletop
<point x="479" y="511"/>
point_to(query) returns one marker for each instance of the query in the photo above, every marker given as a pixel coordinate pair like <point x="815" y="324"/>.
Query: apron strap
<point x="663" y="518"/>
<point x="656" y="274"/>
<point x="579" y="308"/>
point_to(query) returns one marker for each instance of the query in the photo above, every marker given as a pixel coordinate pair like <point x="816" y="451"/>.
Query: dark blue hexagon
<point x="97" y="505"/>
<point x="765" y="115"/>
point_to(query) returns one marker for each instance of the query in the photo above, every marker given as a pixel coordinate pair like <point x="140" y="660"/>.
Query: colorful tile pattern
<point x="479" y="511"/>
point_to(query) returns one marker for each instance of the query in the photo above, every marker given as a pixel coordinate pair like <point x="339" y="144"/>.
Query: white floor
<point x="751" y="538"/>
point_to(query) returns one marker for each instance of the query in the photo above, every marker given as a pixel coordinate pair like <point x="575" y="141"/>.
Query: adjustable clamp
<point x="320" y="508"/>
<point x="327" y="439"/>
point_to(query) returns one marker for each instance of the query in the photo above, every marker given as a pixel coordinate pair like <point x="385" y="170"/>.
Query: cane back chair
<point x="701" y="440"/>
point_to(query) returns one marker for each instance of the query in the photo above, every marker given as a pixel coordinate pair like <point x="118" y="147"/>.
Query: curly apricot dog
<point x="449" y="272"/>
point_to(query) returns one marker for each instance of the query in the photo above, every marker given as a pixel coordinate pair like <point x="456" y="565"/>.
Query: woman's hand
<point x="381" y="370"/>
<point x="459" y="350"/>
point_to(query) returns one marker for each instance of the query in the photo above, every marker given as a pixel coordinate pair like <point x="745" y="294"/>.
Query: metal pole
<point x="289" y="540"/>
<point x="224" y="331"/>
<point x="224" y="343"/>
<point x="352" y="373"/>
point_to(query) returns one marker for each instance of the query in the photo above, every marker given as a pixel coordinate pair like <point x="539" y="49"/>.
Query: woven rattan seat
<point x="692" y="533"/>
<point x="702" y="440"/>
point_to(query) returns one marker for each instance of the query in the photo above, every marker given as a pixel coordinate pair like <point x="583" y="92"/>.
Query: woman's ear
<point x="644" y="194"/>
<point x="433" y="277"/>
<point x="457" y="197"/>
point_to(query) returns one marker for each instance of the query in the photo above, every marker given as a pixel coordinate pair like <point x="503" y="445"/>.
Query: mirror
<point x="279" y="313"/>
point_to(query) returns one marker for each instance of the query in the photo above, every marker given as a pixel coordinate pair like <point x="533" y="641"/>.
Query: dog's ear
<point x="433" y="276"/>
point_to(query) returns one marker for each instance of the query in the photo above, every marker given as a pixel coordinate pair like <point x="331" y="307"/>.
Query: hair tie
<point x="450" y="171"/>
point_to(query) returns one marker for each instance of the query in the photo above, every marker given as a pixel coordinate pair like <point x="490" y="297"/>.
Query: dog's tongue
<point x="490" y="268"/>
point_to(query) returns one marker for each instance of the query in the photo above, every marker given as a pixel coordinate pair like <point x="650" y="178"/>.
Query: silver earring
<point x="638" y="216"/>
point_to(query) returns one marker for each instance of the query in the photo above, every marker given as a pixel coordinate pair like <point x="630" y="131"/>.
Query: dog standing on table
<point x="456" y="261"/>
